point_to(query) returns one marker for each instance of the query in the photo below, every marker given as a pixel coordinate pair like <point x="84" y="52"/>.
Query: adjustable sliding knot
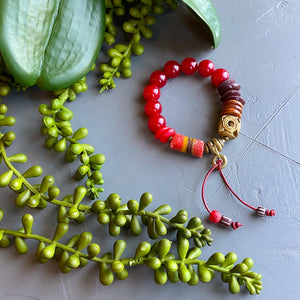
<point x="262" y="211"/>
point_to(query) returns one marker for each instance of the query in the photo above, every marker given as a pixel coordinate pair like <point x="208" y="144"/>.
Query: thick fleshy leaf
<point x="207" y="13"/>
<point x="52" y="43"/>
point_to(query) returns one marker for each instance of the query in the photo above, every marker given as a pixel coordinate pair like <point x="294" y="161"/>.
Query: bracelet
<point x="228" y="127"/>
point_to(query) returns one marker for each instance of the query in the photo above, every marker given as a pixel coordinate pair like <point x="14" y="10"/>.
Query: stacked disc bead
<point x="230" y="96"/>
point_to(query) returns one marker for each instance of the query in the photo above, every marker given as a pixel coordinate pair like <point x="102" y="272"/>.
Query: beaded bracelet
<point x="228" y="127"/>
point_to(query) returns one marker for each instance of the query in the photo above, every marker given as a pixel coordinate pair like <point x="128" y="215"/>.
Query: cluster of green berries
<point x="61" y="138"/>
<point x="137" y="17"/>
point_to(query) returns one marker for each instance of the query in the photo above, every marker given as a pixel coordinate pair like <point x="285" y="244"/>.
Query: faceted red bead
<point x="206" y="68"/>
<point x="172" y="69"/>
<point x="151" y="92"/>
<point x="215" y="216"/>
<point x="218" y="76"/>
<point x="153" y="108"/>
<point x="158" y="78"/>
<point x="189" y="66"/>
<point x="155" y="122"/>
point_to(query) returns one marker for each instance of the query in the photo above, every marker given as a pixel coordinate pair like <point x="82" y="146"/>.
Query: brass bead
<point x="229" y="127"/>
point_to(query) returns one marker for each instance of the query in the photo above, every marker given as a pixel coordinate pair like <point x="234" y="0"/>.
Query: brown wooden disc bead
<point x="232" y="107"/>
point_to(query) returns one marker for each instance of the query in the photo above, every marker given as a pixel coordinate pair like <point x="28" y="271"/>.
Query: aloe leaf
<point x="207" y="13"/>
<point x="50" y="43"/>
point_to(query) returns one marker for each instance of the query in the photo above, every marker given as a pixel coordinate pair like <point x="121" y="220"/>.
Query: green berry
<point x="106" y="277"/>
<point x="183" y="273"/>
<point x="142" y="250"/>
<point x="103" y="218"/>
<point x="135" y="226"/>
<point x="20" y="245"/>
<point x="234" y="286"/>
<point x="93" y="250"/>
<point x="216" y="259"/>
<point x="137" y="49"/>
<point x="204" y="274"/>
<point x="128" y="27"/>
<point x="5" y="178"/>
<point x="152" y="262"/>
<point x="160" y="275"/>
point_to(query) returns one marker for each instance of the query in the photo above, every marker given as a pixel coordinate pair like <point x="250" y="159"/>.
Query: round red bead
<point x="215" y="216"/>
<point x="153" y="108"/>
<point x="218" y="76"/>
<point x="155" y="122"/>
<point x="206" y="68"/>
<point x="172" y="69"/>
<point x="151" y="92"/>
<point x="188" y="66"/>
<point x="166" y="134"/>
<point x="158" y="78"/>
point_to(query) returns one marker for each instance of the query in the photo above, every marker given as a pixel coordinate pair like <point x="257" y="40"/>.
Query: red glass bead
<point x="155" y="122"/>
<point x="219" y="76"/>
<point x="189" y="66"/>
<point x="206" y="68"/>
<point x="151" y="92"/>
<point x="153" y="108"/>
<point x="172" y="69"/>
<point x="160" y="131"/>
<point x="166" y="134"/>
<point x="215" y="216"/>
<point x="158" y="78"/>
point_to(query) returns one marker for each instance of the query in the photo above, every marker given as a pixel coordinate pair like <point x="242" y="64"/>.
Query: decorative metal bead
<point x="214" y="146"/>
<point x="261" y="211"/>
<point x="225" y="221"/>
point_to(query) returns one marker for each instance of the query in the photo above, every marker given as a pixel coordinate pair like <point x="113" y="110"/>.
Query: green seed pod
<point x="60" y="230"/>
<point x="83" y="262"/>
<point x="133" y="206"/>
<point x="8" y="121"/>
<point x="113" y="229"/>
<point x="48" y="121"/>
<point x="135" y="226"/>
<point x="121" y="47"/>
<point x="182" y="248"/>
<point x="62" y="214"/>
<point x="88" y="148"/>
<point x="115" y="62"/>
<point x="76" y="148"/>
<point x="50" y="142"/>
<point x="150" y="20"/>
<point x="44" y="130"/>
<point x="8" y="138"/>
<point x="3" y="109"/>
<point x="194" y="253"/>
<point x="248" y="262"/>
<point x="142" y="250"/>
<point x="55" y="104"/>
<point x="52" y="132"/>
<point x="194" y="276"/>
<point x="145" y="10"/>
<point x="119" y="247"/>
<point x="109" y="38"/>
<point x="171" y="265"/>
<point x="151" y="229"/>
<point x="194" y="223"/>
<point x="97" y="176"/>
<point x="103" y="218"/>
<point x="98" y="206"/>
<point x="111" y="28"/>
<point x="97" y="159"/>
<point x="48" y="252"/>
<point x="16" y="184"/>
<point x="128" y="27"/>
<point x="183" y="273"/>
<point x="42" y="204"/>
<point x="163" y="209"/>
<point x="34" y="171"/>
<point x="27" y="222"/>
<point x="33" y="201"/>
<point x="117" y="266"/>
<point x="145" y="200"/>
<point x="5" y="178"/>
<point x="20" y="245"/>
<point x="216" y="259"/>
<point x="160" y="227"/>
<point x="22" y="198"/>
<point x="160" y="275"/>
<point x="138" y="49"/>
<point x="73" y="213"/>
<point x="106" y="68"/>
<point x="126" y="72"/>
<point x="163" y="249"/>
<point x="45" y="110"/>
<point x="173" y="276"/>
<point x="61" y="145"/>
<point x="250" y="287"/>
<point x="38" y="256"/>
<point x="81" y="217"/>
<point x="230" y="259"/>
<point x="1" y="215"/>
<point x="93" y="250"/>
<point x="225" y="277"/>
<point x="114" y="53"/>
<point x="122" y="275"/>
<point x="63" y="267"/>
<point x="106" y="276"/>
<point x="135" y="13"/>
<point x="114" y="201"/>
<point x="181" y="217"/>
<point x="53" y="192"/>
<point x="239" y="268"/>
<point x="66" y="131"/>
<point x="18" y="158"/>
<point x="80" y="133"/>
<point x="146" y="32"/>
<point x="73" y="261"/>
<point x="47" y="182"/>
<point x="126" y="62"/>
<point x="234" y="286"/>
<point x="204" y="274"/>
<point x="152" y="262"/>
<point x="65" y="114"/>
<point x="4" y="240"/>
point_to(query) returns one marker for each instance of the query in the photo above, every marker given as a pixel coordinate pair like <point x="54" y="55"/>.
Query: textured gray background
<point x="260" y="47"/>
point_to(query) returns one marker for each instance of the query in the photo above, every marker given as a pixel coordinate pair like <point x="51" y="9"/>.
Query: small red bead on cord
<point x="155" y="122"/>
<point x="215" y="216"/>
<point x="172" y="69"/>
<point x="206" y="68"/>
<point x="219" y="76"/>
<point x="189" y="66"/>
<point x="158" y="78"/>
<point x="151" y="92"/>
<point x="153" y="108"/>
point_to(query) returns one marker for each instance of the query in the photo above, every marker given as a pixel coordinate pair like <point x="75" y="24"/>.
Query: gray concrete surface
<point x="260" y="47"/>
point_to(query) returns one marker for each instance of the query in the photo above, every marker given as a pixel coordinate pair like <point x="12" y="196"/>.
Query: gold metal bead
<point x="229" y="127"/>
